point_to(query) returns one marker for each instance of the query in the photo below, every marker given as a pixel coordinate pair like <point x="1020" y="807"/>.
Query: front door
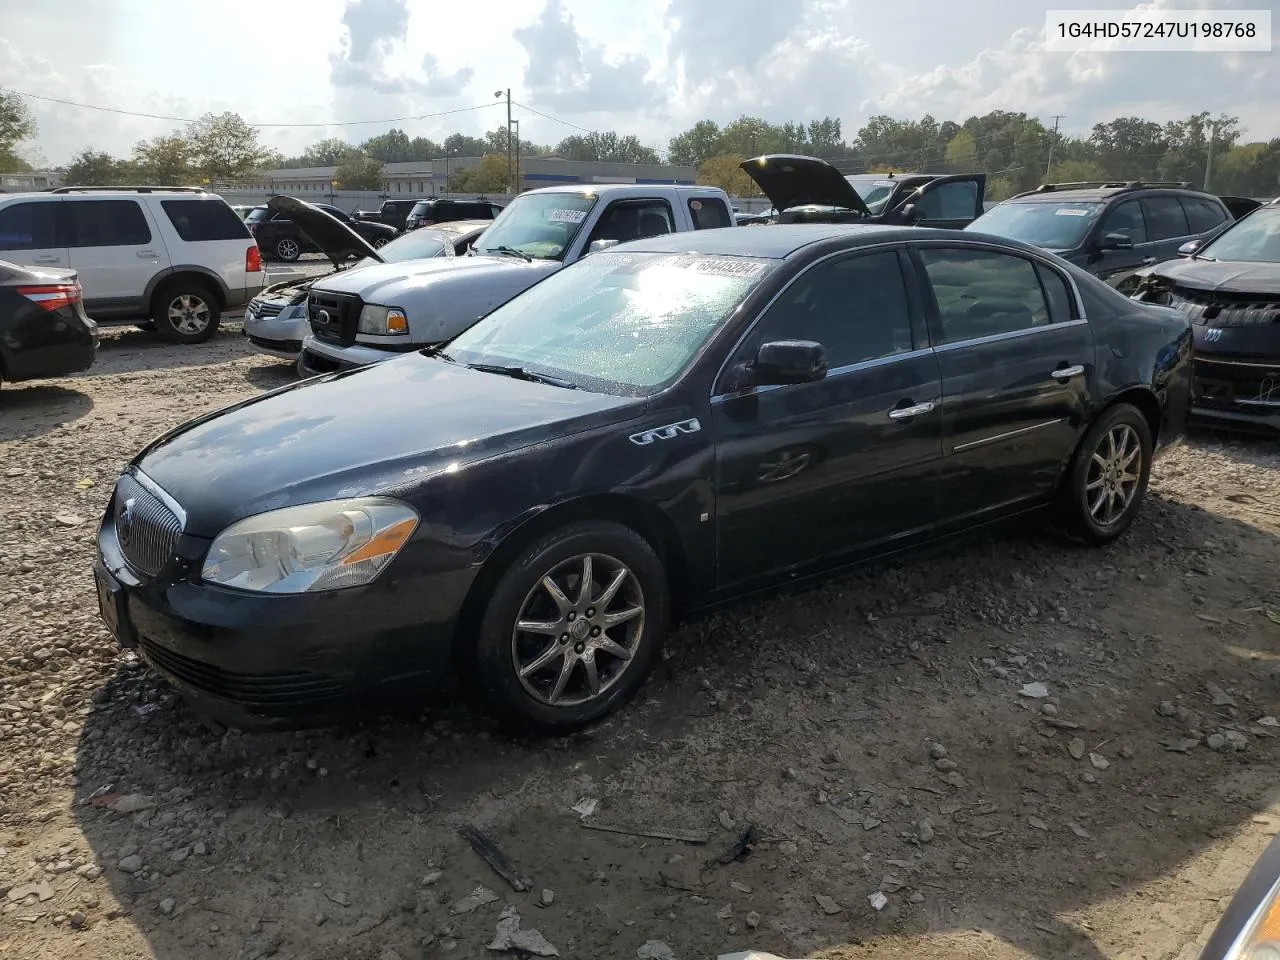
<point x="844" y="466"/>
<point x="1016" y="361"/>
<point x="948" y="203"/>
<point x="113" y="249"/>
<point x="1123" y="220"/>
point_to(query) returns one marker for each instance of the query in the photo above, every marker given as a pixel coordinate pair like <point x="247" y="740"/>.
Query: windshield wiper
<point x="439" y="354"/>
<point x="520" y="373"/>
<point x="510" y="251"/>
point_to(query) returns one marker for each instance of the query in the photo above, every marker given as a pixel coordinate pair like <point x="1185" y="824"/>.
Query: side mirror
<point x="598" y="245"/>
<point x="789" y="361"/>
<point x="1116" y="241"/>
<point x="910" y="214"/>
<point x="1189" y="248"/>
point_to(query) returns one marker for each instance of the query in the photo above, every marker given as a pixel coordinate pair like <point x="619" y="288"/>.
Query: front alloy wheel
<point x="578" y="630"/>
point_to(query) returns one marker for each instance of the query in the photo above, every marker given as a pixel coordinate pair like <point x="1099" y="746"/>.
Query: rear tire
<point x="185" y="311"/>
<point x="288" y="249"/>
<point x="581" y="653"/>
<point x="1104" y="487"/>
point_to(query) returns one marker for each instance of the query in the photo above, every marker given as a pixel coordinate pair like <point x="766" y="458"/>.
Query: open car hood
<point x="335" y="239"/>
<point x="1239" y="206"/>
<point x="789" y="180"/>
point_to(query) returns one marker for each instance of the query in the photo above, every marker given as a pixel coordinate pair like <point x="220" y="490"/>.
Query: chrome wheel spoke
<point x="612" y="589"/>
<point x="1096" y="506"/>
<point x="613" y="649"/>
<point x="547" y="656"/>
<point x="593" y="676"/>
<point x="1129" y="478"/>
<point x="622" y="616"/>
<point x="584" y="589"/>
<point x="557" y="594"/>
<point x="1095" y="484"/>
<point x="549" y="627"/>
<point x="1099" y="461"/>
<point x="562" y="681"/>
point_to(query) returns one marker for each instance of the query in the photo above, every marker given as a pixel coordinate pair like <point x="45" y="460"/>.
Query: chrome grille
<point x="1221" y="312"/>
<point x="146" y="529"/>
<point x="261" y="309"/>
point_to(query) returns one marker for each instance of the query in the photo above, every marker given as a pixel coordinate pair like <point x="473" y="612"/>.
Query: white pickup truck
<point x="377" y="312"/>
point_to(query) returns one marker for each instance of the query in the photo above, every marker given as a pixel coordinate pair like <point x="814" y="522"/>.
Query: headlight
<point x="383" y="321"/>
<point x="1260" y="939"/>
<point x="318" y="546"/>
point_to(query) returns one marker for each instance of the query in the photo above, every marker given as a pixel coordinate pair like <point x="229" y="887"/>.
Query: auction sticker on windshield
<point x="567" y="216"/>
<point x="1070" y="212"/>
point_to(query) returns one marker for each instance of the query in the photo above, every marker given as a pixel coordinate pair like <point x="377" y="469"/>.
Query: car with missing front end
<point x="275" y="321"/>
<point x="658" y="428"/>
<point x="1230" y="290"/>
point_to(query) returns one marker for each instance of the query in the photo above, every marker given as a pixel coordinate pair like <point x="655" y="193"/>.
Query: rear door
<point x="115" y="249"/>
<point x="1167" y="228"/>
<point x="32" y="233"/>
<point x="208" y="233"/>
<point x="844" y="466"/>
<point x="949" y="203"/>
<point x="1204" y="216"/>
<point x="1016" y="359"/>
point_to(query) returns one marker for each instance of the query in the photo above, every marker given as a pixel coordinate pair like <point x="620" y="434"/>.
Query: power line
<point x="328" y="123"/>
<point x="547" y="116"/>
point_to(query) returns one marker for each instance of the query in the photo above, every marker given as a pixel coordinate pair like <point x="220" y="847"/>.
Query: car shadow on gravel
<point x="272" y="375"/>
<point x="135" y="350"/>
<point x="882" y="730"/>
<point x="39" y="406"/>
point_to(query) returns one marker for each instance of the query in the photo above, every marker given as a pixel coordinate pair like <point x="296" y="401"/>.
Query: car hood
<point x="374" y="430"/>
<point x="1221" y="276"/>
<point x="335" y="239"/>
<point x="789" y="181"/>
<point x="399" y="284"/>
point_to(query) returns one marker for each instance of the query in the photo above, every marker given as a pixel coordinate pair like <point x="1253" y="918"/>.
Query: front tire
<point x="572" y="627"/>
<point x="186" y="312"/>
<point x="1107" y="480"/>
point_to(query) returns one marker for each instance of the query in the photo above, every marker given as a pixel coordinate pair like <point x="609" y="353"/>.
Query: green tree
<point x="164" y="161"/>
<point x="94" y="168"/>
<point x="359" y="172"/>
<point x="606" y="146"/>
<point x="724" y="172"/>
<point x="1075" y="171"/>
<point x="16" y="126"/>
<point x="394" y="146"/>
<point x="700" y="142"/>
<point x="962" y="153"/>
<point x="460" y="145"/>
<point x="224" y="147"/>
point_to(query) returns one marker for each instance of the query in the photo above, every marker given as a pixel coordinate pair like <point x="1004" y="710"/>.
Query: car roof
<point x="1103" y="194"/>
<point x="778" y="241"/>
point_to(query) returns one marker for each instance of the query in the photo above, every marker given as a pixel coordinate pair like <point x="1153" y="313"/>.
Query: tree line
<point x="1015" y="150"/>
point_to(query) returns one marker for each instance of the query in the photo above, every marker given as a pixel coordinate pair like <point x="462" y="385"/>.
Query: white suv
<point x="175" y="257"/>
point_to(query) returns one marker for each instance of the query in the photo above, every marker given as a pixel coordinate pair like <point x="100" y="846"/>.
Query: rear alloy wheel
<point x="378" y="242"/>
<point x="186" y="314"/>
<point x="288" y="249"/>
<point x="1108" y="476"/>
<point x="573" y="627"/>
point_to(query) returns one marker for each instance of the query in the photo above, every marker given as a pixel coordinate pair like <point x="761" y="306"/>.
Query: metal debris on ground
<point x="477" y="898"/>
<point x="741" y="847"/>
<point x="656" y="833"/>
<point x="490" y="853"/>
<point x="509" y="937"/>
<point x="585" y="807"/>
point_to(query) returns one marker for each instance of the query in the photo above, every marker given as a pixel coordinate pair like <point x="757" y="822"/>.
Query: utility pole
<point x="498" y="94"/>
<point x="1208" y="161"/>
<point x="1052" y="143"/>
<point x="517" y="180"/>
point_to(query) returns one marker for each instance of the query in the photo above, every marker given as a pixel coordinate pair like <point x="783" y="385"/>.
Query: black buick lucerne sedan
<point x="660" y="427"/>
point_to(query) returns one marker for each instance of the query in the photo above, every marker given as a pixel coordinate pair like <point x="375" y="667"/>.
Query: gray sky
<point x="650" y="67"/>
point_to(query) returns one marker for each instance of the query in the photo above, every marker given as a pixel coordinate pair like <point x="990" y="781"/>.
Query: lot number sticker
<point x="568" y="216"/>
<point x="1070" y="212"/>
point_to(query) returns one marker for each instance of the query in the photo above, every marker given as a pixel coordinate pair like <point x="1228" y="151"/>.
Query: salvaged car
<point x="280" y="238"/>
<point x="810" y="190"/>
<point x="44" y="331"/>
<point x="1112" y="229"/>
<point x="534" y="502"/>
<point x="388" y="310"/>
<point x="276" y="322"/>
<point x="1230" y="290"/>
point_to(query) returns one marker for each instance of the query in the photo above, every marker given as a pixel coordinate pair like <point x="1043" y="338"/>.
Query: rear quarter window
<point x="708" y="213"/>
<point x="197" y="220"/>
<point x="1203" y="215"/>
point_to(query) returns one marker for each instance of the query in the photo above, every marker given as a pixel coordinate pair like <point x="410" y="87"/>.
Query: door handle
<point x="1148" y="261"/>
<point x="146" y="255"/>
<point x="47" y="258"/>
<point x="1066" y="373"/>
<point x="906" y="413"/>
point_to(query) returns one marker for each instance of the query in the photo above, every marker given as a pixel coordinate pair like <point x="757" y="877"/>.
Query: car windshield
<point x="617" y="323"/>
<point x="539" y="225"/>
<point x="1055" y="226"/>
<point x="874" y="191"/>
<point x="418" y="245"/>
<point x="1255" y="239"/>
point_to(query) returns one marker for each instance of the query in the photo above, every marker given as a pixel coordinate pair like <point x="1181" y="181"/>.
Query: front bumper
<point x="258" y="660"/>
<point x="1237" y="394"/>
<point x="279" y="335"/>
<point x="1259" y="420"/>
<point x="319" y="357"/>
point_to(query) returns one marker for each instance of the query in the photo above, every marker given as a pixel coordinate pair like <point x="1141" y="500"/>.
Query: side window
<point x="633" y="220"/>
<point x="29" y="226"/>
<point x="1202" y="215"/>
<point x="856" y="308"/>
<point x="1058" y="293"/>
<point x="708" y="213"/>
<point x="1165" y="219"/>
<point x="1126" y="219"/>
<point x="950" y="201"/>
<point x="204" y="220"/>
<point x="107" y="223"/>
<point x="981" y="293"/>
<point x="494" y="210"/>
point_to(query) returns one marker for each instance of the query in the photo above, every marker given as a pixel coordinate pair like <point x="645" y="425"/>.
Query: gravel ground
<point x="873" y="729"/>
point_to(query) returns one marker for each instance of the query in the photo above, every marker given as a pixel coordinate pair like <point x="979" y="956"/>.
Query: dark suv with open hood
<point x="281" y="238"/>
<point x="809" y="190"/>
<point x="1230" y="289"/>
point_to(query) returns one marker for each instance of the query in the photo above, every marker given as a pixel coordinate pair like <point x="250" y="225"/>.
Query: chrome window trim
<point x="1010" y="335"/>
<point x="159" y="493"/>
<point x="836" y="372"/>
